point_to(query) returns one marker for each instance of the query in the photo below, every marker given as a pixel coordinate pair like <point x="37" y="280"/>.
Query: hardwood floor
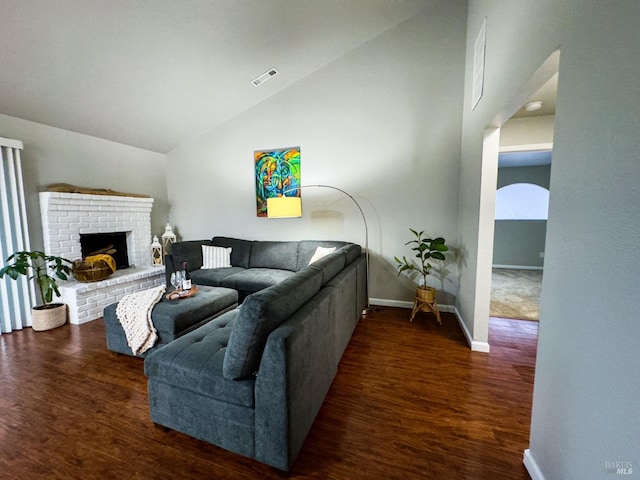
<point x="410" y="401"/>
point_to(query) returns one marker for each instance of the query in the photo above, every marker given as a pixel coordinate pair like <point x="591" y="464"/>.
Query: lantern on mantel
<point x="168" y="237"/>
<point x="156" y="251"/>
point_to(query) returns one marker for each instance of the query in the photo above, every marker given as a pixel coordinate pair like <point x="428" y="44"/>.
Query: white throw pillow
<point x="321" y="252"/>
<point x="215" y="257"/>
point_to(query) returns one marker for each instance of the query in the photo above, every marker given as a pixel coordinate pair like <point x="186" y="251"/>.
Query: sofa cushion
<point x="279" y="255"/>
<point x="329" y="265"/>
<point x="189" y="251"/>
<point x="216" y="257"/>
<point x="351" y="251"/>
<point x="213" y="277"/>
<point x="240" y="249"/>
<point x="194" y="363"/>
<point x="260" y="314"/>
<point x="178" y="316"/>
<point x="255" y="279"/>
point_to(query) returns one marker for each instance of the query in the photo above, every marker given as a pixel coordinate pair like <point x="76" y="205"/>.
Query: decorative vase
<point x="47" y="317"/>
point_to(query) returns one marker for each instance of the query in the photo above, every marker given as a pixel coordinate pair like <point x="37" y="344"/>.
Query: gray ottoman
<point x="173" y="318"/>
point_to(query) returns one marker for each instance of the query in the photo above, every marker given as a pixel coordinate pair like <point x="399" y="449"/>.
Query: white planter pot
<point x="46" y="317"/>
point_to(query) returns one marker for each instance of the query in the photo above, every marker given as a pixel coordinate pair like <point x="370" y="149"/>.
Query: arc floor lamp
<point x="291" y="207"/>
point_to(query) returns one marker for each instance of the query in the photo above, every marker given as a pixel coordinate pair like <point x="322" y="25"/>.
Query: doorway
<point x="520" y="226"/>
<point x="515" y="129"/>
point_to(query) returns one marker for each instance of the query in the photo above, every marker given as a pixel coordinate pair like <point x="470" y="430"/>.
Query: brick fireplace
<point x="67" y="215"/>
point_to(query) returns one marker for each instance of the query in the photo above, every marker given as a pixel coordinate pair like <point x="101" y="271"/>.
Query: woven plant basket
<point x="85" y="272"/>
<point x="426" y="294"/>
<point x="46" y="317"/>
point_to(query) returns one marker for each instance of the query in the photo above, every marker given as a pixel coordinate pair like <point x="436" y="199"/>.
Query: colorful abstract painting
<point x="277" y="172"/>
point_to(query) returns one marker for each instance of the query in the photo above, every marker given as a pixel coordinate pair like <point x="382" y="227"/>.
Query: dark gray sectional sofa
<point x="253" y="380"/>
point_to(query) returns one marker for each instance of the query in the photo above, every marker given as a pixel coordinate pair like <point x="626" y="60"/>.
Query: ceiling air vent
<point x="264" y="77"/>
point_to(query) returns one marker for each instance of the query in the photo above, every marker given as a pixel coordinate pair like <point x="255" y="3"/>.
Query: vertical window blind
<point x="16" y="297"/>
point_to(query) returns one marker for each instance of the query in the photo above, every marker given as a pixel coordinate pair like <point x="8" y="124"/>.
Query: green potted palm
<point x="427" y="249"/>
<point x="45" y="270"/>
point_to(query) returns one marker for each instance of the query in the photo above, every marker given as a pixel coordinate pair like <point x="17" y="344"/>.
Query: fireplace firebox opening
<point x="114" y="244"/>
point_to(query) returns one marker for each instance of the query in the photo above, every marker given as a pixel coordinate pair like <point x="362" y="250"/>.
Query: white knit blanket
<point x="134" y="314"/>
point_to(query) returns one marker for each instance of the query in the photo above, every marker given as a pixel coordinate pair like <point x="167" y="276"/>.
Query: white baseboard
<point x="473" y="344"/>
<point x="383" y="302"/>
<point x="532" y="467"/>
<point x="517" y="267"/>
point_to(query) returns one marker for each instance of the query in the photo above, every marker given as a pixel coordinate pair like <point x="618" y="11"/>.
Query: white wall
<point x="518" y="133"/>
<point x="586" y="387"/>
<point x="382" y="122"/>
<point x="52" y="155"/>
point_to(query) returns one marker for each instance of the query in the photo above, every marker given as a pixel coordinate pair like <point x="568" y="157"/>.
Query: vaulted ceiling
<point x="157" y="73"/>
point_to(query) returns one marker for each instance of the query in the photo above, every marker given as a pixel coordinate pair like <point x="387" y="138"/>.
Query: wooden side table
<point x="425" y="301"/>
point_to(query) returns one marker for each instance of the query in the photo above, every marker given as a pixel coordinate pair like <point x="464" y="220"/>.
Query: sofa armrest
<point x="189" y="251"/>
<point x="296" y="371"/>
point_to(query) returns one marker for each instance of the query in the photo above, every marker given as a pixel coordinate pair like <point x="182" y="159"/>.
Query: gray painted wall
<point x="585" y="405"/>
<point x="52" y="155"/>
<point x="519" y="242"/>
<point x="538" y="175"/>
<point x="382" y="122"/>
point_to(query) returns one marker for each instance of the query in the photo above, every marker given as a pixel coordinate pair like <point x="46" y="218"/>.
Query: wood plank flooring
<point x="410" y="401"/>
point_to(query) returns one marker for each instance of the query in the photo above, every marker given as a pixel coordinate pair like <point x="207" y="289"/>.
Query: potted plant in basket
<point x="426" y="248"/>
<point x="37" y="265"/>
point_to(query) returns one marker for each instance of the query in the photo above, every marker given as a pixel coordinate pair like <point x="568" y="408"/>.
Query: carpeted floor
<point x="515" y="293"/>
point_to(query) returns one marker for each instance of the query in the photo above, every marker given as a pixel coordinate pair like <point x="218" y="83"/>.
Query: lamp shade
<point x="284" y="207"/>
